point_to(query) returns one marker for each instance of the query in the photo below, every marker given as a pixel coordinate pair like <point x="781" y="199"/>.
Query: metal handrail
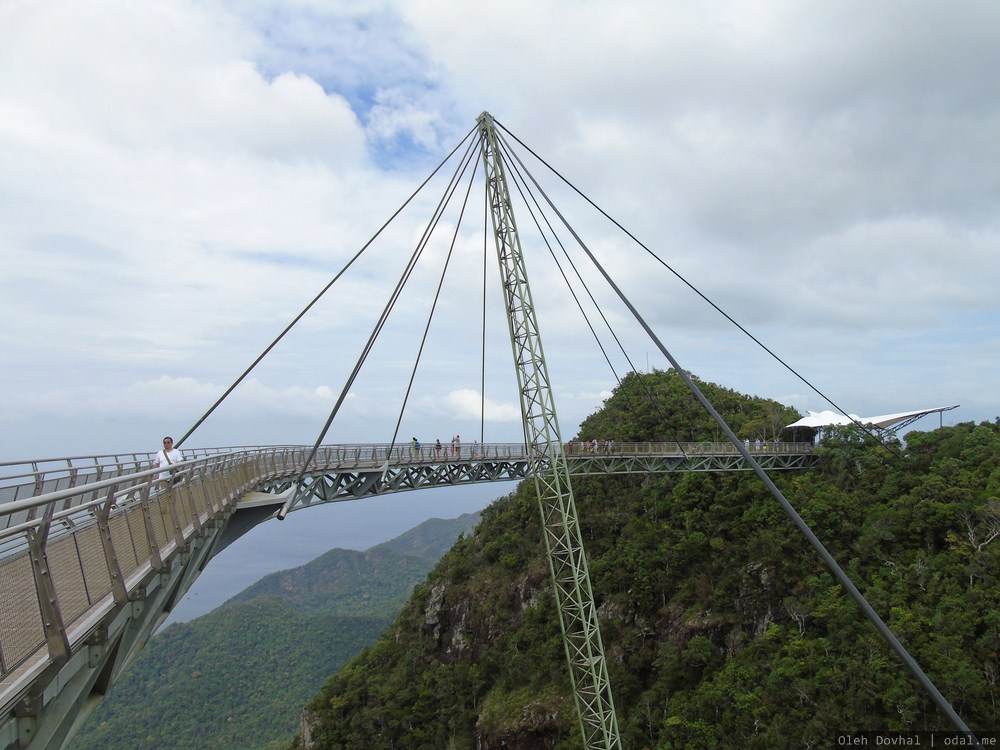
<point x="72" y="504"/>
<point x="147" y="518"/>
<point x="38" y="477"/>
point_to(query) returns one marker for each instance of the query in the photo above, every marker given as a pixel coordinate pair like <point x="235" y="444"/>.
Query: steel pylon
<point x="560" y="523"/>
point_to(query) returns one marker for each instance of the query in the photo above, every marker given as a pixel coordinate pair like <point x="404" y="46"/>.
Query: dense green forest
<point x="238" y="676"/>
<point x="722" y="627"/>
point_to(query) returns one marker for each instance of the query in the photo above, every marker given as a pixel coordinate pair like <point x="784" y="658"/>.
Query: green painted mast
<point x="560" y="523"/>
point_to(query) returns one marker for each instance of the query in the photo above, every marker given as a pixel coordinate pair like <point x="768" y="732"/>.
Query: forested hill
<point x="721" y="625"/>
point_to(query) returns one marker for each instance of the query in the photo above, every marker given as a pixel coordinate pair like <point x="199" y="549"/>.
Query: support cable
<point x="693" y="288"/>
<point x="322" y="292"/>
<point x="831" y="563"/>
<point x="586" y="318"/>
<point x="516" y="172"/>
<point x="287" y="506"/>
<point x="518" y="181"/>
<point x="437" y="295"/>
<point x="482" y="365"/>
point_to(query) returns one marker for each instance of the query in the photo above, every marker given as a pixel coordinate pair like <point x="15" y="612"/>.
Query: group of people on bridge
<point x="454" y="451"/>
<point x="594" y="446"/>
<point x="759" y="445"/>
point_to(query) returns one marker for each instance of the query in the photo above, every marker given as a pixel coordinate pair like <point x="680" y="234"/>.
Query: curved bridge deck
<point x="96" y="551"/>
<point x="353" y="472"/>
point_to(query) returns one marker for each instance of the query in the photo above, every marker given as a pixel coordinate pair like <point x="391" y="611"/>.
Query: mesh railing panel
<point x="67" y="576"/>
<point x="182" y="503"/>
<point x="141" y="542"/>
<point x="163" y="524"/>
<point x="21" y="632"/>
<point x="95" y="564"/>
<point x="124" y="528"/>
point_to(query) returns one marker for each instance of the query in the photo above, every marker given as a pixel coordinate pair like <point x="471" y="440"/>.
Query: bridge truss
<point x="341" y="476"/>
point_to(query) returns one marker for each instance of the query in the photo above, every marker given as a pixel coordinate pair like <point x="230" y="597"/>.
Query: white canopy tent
<point x="817" y="420"/>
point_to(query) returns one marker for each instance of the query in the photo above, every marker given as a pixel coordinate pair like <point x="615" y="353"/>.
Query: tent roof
<point x="817" y="419"/>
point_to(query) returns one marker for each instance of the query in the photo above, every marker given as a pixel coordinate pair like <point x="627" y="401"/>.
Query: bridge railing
<point x="78" y="536"/>
<point x="21" y="480"/>
<point x="73" y="553"/>
<point x="668" y="448"/>
<point x="31" y="477"/>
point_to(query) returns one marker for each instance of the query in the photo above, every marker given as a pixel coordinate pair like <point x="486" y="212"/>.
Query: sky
<point x="179" y="179"/>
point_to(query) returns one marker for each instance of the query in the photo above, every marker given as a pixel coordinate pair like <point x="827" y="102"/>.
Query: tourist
<point x="166" y="457"/>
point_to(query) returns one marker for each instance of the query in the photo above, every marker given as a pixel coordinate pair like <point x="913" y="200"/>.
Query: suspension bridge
<point x="95" y="552"/>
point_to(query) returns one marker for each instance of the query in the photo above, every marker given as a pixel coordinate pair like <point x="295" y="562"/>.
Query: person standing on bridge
<point x="169" y="455"/>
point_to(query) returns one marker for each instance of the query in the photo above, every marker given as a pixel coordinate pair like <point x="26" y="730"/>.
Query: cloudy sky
<point x="179" y="179"/>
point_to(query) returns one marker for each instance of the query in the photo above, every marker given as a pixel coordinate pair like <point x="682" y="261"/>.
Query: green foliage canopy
<point x="721" y="626"/>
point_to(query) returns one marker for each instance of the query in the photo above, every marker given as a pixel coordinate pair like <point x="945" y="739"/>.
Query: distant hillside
<point x="371" y="583"/>
<point x="722" y="627"/>
<point x="238" y="676"/>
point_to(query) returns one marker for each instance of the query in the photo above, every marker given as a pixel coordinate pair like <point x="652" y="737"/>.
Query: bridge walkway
<point x="96" y="551"/>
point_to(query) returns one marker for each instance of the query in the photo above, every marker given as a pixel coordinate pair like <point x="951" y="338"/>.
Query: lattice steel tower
<point x="560" y="524"/>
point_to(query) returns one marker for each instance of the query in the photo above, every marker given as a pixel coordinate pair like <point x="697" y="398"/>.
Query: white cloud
<point x="167" y="399"/>
<point x="398" y="112"/>
<point x="469" y="404"/>
<point x="178" y="179"/>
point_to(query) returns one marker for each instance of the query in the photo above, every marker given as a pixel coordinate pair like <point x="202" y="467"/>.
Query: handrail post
<point x="155" y="558"/>
<point x="188" y="491"/>
<point x="170" y="496"/>
<point x="48" y="601"/>
<point x="102" y="512"/>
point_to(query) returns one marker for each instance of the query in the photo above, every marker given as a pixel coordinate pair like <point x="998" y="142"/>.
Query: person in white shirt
<point x="169" y="455"/>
